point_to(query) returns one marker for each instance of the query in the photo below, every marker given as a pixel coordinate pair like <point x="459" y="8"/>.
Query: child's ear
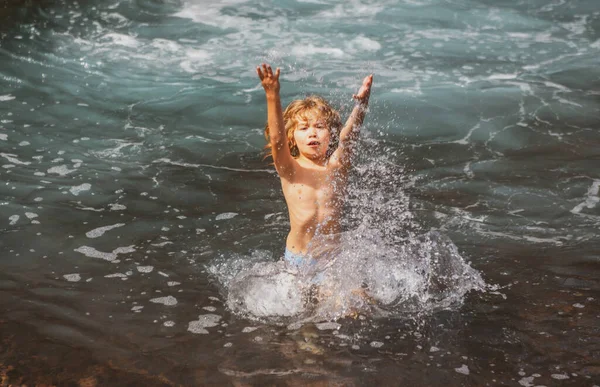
<point x="293" y="147"/>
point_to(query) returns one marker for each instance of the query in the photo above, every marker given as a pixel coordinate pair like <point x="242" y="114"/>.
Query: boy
<point x="312" y="155"/>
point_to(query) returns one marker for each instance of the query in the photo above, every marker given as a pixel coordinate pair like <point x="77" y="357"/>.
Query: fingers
<point x="365" y="89"/>
<point x="266" y="71"/>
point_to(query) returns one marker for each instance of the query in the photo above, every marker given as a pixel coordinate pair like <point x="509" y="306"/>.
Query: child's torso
<point x="315" y="200"/>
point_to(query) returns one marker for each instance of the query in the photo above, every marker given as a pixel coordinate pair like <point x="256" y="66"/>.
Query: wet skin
<point x="313" y="184"/>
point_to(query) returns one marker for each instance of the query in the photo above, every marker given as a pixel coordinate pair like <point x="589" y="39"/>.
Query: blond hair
<point x="301" y="109"/>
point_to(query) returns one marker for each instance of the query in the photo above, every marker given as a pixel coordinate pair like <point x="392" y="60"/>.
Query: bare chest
<point x="314" y="191"/>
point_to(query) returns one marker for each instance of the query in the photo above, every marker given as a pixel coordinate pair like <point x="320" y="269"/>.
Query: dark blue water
<point x="133" y="189"/>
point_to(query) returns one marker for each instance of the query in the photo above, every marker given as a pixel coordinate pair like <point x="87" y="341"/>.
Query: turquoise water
<point x="133" y="186"/>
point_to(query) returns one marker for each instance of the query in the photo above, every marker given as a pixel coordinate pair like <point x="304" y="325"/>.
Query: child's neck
<point x="319" y="161"/>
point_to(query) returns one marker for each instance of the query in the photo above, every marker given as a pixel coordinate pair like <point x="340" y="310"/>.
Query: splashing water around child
<point x="367" y="273"/>
<point x="376" y="267"/>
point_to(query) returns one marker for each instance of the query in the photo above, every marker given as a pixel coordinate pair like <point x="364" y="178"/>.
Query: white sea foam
<point x="567" y="102"/>
<point x="162" y="244"/>
<point x="121" y="39"/>
<point x="93" y="253"/>
<point x="61" y="170"/>
<point x="3" y="136"/>
<point x="116" y="275"/>
<point x="145" y="269"/>
<point x="226" y="215"/>
<point x="210" y="14"/>
<point x="351" y="10"/>
<point x="328" y="326"/>
<point x="13" y="219"/>
<point x="362" y="43"/>
<point x="6" y="97"/>
<point x="502" y="76"/>
<point x="98" y="232"/>
<point x="464" y="369"/>
<point x="312" y="50"/>
<point x="76" y="190"/>
<point x="168" y="301"/>
<point x="194" y="60"/>
<point x="526" y="381"/>
<point x="75" y="277"/>
<point x="13" y="159"/>
<point x="204" y="321"/>
<point x="591" y="200"/>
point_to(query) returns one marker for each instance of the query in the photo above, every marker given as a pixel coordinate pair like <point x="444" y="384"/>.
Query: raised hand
<point x="269" y="81"/>
<point x="362" y="96"/>
<point x="350" y="131"/>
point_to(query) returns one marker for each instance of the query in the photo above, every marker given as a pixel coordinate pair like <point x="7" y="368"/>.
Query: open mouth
<point x="314" y="143"/>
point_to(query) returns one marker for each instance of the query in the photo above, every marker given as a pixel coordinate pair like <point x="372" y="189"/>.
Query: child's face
<point x="312" y="137"/>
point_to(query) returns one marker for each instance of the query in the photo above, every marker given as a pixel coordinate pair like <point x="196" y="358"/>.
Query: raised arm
<point x="350" y="131"/>
<point x="282" y="158"/>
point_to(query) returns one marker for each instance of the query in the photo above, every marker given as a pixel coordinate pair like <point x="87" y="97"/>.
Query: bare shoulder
<point x="335" y="164"/>
<point x="287" y="170"/>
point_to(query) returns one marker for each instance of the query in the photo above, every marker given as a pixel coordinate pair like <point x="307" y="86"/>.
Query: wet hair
<point x="301" y="109"/>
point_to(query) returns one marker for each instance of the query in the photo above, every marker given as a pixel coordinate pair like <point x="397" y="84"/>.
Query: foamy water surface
<point x="142" y="230"/>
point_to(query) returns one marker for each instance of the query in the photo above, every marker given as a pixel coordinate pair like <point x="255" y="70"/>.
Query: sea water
<point x="142" y="231"/>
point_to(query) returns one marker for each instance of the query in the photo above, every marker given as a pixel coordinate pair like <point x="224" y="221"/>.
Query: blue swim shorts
<point x="298" y="259"/>
<point x="305" y="263"/>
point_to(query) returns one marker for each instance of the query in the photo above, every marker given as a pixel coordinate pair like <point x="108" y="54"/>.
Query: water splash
<point x="384" y="265"/>
<point x="364" y="277"/>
